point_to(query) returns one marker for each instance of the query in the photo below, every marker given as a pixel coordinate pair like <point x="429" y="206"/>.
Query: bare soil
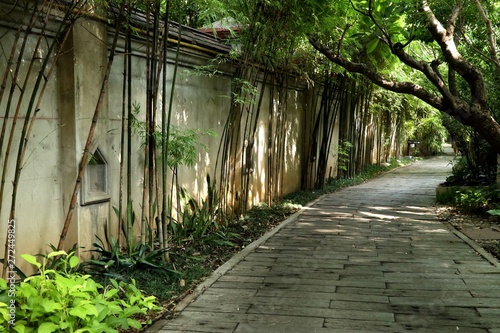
<point x="463" y="221"/>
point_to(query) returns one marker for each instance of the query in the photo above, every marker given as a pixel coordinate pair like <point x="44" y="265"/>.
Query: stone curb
<point x="474" y="245"/>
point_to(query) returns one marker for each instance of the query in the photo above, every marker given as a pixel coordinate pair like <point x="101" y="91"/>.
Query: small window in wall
<point x="95" y="180"/>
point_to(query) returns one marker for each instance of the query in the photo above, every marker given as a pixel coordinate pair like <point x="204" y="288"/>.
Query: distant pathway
<point x="369" y="258"/>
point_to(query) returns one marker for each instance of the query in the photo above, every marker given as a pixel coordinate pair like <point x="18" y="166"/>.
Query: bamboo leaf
<point x="372" y="45"/>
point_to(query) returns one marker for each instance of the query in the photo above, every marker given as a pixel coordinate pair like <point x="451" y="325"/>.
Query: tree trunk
<point x="471" y="110"/>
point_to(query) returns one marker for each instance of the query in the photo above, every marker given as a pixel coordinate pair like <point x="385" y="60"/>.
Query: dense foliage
<point x="62" y="300"/>
<point x="445" y="53"/>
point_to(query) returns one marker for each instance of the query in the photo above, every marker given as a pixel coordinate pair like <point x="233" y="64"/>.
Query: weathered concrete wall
<point x="38" y="212"/>
<point x="61" y="130"/>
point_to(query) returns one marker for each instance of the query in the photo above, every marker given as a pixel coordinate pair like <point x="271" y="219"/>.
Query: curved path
<point x="369" y="258"/>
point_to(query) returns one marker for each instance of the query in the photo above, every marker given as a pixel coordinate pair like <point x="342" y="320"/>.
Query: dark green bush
<point x="478" y="200"/>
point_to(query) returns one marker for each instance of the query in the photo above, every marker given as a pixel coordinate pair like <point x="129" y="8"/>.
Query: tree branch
<point x="491" y="34"/>
<point x="339" y="46"/>
<point x="450" y="25"/>
<point x="399" y="87"/>
<point x="427" y="69"/>
<point x="446" y="42"/>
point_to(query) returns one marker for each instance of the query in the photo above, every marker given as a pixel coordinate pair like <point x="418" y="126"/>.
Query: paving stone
<point x="230" y="320"/>
<point x="369" y="258"/>
<point x="220" y="307"/>
<point x="238" y="278"/>
<point x="237" y="285"/>
<point x="216" y="293"/>
<point x="190" y="323"/>
<point x="363" y="306"/>
<point x="460" y="300"/>
<point x="287" y="328"/>
<point x="201" y="329"/>
<point x="402" y="292"/>
<point x="269" y="292"/>
<point x="426" y="320"/>
<point x="485" y="293"/>
<point x="427" y="285"/>
<point x="359" y="298"/>
<point x="298" y="311"/>
<point x="298" y="281"/>
<point x="417" y="326"/>
<point x="206" y="300"/>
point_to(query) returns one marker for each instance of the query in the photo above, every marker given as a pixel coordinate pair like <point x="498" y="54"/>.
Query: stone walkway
<point x="369" y="258"/>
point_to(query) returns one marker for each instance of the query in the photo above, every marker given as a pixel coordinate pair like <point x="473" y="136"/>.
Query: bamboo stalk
<point x="10" y="62"/>
<point x="146" y="175"/>
<point x="90" y="136"/>
<point x="153" y="104"/>
<point x="13" y="127"/>
<point x="123" y="126"/>
<point x="166" y="136"/>
<point x="29" y="120"/>
<point x="163" y="235"/>
<point x="13" y="87"/>
<point x="129" y="112"/>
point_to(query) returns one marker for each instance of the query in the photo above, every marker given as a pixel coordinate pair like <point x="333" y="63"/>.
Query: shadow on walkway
<point x="369" y="258"/>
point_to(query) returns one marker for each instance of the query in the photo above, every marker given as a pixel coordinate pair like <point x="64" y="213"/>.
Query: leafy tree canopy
<point x="441" y="51"/>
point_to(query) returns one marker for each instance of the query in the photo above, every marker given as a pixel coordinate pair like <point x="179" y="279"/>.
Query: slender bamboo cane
<point x="123" y="126"/>
<point x="10" y="98"/>
<point x="280" y="172"/>
<point x="129" y="112"/>
<point x="90" y="136"/>
<point x="270" y="152"/>
<point x="13" y="128"/>
<point x="61" y="36"/>
<point x="153" y="104"/>
<point x="68" y="20"/>
<point x="164" y="162"/>
<point x="146" y="175"/>
<point x="7" y="72"/>
<point x="251" y="140"/>
<point x="166" y="136"/>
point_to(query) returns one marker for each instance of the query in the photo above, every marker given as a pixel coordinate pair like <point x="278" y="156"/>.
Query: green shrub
<point x="201" y="222"/>
<point x="138" y="255"/>
<point x="478" y="200"/>
<point x="65" y="301"/>
<point x="466" y="172"/>
<point x="494" y="212"/>
<point x="471" y="201"/>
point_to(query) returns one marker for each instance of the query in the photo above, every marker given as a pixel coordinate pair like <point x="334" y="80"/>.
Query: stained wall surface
<point x="61" y="128"/>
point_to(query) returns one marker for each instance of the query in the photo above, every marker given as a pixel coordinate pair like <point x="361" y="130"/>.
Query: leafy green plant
<point x="183" y="144"/>
<point x="344" y="152"/>
<point x="474" y="200"/>
<point x="60" y="300"/>
<point x="494" y="212"/>
<point x="461" y="173"/>
<point x="138" y="255"/>
<point x="200" y="222"/>
<point x="111" y="256"/>
<point x="60" y="262"/>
